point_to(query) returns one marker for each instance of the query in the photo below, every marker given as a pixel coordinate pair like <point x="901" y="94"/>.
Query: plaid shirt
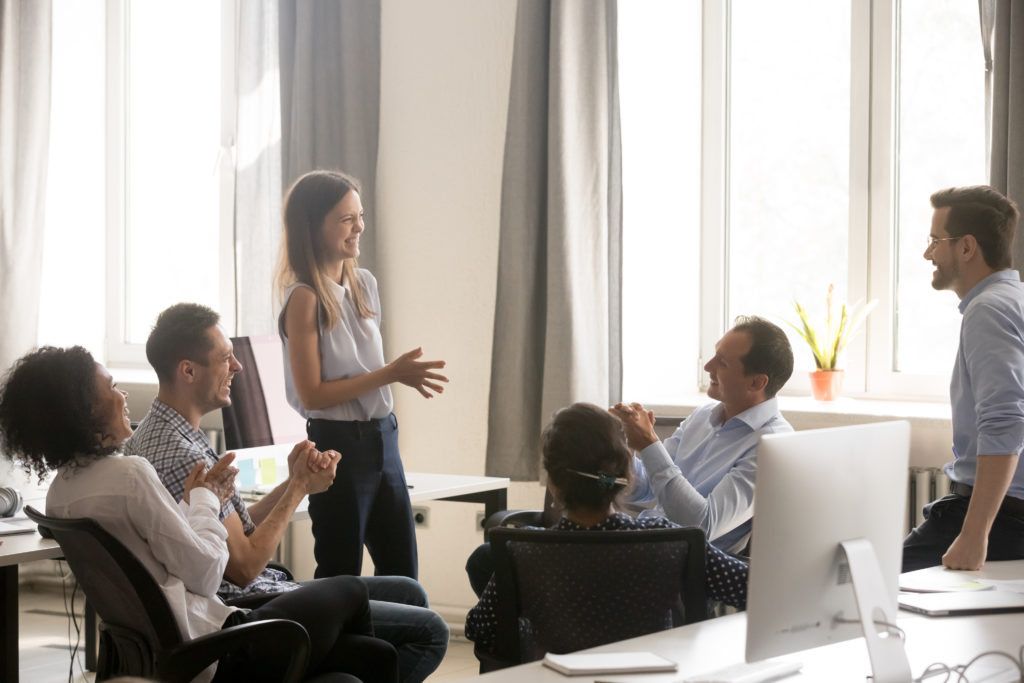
<point x="174" y="447"/>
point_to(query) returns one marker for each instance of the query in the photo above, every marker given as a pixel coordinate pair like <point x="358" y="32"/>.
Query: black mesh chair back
<point x="139" y="635"/>
<point x="562" y="591"/>
<point x="116" y="583"/>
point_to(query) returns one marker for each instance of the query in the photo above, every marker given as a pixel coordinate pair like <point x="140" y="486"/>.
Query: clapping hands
<point x="220" y="479"/>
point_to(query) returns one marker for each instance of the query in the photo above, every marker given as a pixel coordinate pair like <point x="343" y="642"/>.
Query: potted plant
<point x="828" y="341"/>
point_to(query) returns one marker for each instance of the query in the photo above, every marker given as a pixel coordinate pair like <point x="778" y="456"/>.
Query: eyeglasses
<point x="933" y="240"/>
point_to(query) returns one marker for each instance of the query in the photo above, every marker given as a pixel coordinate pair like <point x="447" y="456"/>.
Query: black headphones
<point x="10" y="501"/>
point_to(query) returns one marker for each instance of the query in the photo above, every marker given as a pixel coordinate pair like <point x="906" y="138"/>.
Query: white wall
<point x="444" y="97"/>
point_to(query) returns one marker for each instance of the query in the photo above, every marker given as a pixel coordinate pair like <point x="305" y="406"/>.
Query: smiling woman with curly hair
<point x="46" y="410"/>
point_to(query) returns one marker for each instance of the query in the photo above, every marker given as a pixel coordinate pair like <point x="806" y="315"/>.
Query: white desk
<point x="423" y="486"/>
<point x="709" y="645"/>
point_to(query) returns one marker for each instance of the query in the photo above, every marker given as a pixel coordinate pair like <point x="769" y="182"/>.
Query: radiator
<point x="924" y="484"/>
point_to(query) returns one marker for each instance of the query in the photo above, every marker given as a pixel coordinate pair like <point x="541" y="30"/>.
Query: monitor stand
<point x="888" y="658"/>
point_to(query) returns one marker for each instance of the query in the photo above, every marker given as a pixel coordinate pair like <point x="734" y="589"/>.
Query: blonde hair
<point x="306" y="204"/>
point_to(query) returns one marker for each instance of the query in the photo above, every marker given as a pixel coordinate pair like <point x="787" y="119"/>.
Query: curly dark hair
<point x="46" y="410"/>
<point x="585" y="438"/>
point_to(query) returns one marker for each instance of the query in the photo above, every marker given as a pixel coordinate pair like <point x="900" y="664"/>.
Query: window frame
<point x="119" y="352"/>
<point x="872" y="232"/>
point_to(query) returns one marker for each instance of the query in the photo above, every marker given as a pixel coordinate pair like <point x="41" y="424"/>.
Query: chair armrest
<point x="289" y="638"/>
<point x="514" y="518"/>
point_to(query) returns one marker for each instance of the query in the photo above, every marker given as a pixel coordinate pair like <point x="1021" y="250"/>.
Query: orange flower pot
<point x="826" y="385"/>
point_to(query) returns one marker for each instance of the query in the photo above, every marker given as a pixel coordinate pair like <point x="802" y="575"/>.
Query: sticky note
<point x="268" y="470"/>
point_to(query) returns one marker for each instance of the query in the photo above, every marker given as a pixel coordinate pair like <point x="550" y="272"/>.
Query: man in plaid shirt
<point x="194" y="362"/>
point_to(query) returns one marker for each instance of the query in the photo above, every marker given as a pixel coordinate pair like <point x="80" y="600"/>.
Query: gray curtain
<point x="1003" y="37"/>
<point x="258" y="186"/>
<point x="25" y="65"/>
<point x="330" y="94"/>
<point x="557" y="317"/>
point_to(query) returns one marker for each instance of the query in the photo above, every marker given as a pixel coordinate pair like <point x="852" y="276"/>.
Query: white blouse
<point x="183" y="546"/>
<point x="352" y="347"/>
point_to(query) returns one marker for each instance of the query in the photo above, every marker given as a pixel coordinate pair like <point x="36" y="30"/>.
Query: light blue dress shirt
<point x="987" y="388"/>
<point x="703" y="475"/>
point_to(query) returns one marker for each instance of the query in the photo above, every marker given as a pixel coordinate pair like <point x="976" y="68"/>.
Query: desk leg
<point x="90" y="637"/>
<point x="495" y="501"/>
<point x="9" y="622"/>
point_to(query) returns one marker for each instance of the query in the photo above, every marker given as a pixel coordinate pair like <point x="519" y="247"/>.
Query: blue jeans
<point x="401" y="616"/>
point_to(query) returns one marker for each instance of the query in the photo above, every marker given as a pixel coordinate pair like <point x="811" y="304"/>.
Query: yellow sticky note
<point x="268" y="471"/>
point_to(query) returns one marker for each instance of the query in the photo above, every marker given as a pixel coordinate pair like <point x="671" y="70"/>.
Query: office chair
<point x="259" y="414"/>
<point x="139" y="635"/>
<point x="562" y="591"/>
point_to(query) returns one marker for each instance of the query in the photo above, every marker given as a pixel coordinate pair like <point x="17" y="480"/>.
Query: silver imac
<point x="827" y="541"/>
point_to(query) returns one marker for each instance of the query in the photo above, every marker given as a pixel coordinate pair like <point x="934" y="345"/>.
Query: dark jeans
<point x="480" y="568"/>
<point x="926" y="544"/>
<point x="368" y="503"/>
<point x="336" y="614"/>
<point x="400" y="615"/>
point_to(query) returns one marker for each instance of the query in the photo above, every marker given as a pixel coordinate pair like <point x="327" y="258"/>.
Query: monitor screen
<point x="814" y="490"/>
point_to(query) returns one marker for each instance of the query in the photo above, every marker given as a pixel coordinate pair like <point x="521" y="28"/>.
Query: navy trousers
<point x="368" y="503"/>
<point x="927" y="543"/>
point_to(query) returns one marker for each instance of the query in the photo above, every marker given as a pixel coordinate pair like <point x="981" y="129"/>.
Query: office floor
<point x="45" y="654"/>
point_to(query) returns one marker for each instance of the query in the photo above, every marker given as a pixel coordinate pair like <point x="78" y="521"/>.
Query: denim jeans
<point x="401" y="616"/>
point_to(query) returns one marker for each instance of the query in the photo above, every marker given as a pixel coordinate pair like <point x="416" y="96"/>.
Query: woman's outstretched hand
<point x="412" y="372"/>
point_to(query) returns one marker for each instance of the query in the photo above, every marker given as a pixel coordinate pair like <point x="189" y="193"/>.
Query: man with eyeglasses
<point x="983" y="517"/>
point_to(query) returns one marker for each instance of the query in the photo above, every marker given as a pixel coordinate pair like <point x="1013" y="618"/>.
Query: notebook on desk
<point x="962" y="604"/>
<point x="17" y="526"/>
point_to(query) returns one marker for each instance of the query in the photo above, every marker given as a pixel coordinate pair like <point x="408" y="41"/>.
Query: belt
<point x="355" y="428"/>
<point x="1010" y="504"/>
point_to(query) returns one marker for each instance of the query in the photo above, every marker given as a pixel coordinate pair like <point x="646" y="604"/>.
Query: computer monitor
<point x="829" y="504"/>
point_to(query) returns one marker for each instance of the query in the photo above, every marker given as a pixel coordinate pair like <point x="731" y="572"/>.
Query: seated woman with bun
<point x="589" y="465"/>
<point x="60" y="410"/>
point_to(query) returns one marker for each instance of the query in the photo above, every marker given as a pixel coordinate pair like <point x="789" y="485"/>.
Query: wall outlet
<point x="421" y="516"/>
<point x="481" y="517"/>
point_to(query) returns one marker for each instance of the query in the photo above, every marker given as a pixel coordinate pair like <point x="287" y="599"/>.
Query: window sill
<point x="145" y="377"/>
<point x="846" y="406"/>
<point x="930" y="423"/>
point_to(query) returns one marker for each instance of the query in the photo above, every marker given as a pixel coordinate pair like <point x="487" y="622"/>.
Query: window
<point x="146" y="89"/>
<point x="824" y="129"/>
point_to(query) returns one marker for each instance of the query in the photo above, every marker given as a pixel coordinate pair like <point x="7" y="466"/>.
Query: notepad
<point x="940" y="580"/>
<point x="609" y="663"/>
<point x="17" y="526"/>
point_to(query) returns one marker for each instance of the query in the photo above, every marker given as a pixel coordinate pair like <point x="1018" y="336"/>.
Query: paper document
<point x="16" y="526"/>
<point x="941" y="580"/>
<point x="608" y="663"/>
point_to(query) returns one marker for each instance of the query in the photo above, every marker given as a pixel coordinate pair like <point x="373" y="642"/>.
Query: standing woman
<point x="336" y="377"/>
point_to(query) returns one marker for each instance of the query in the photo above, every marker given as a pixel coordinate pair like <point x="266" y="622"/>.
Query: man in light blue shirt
<point x="983" y="517"/>
<point x="703" y="475"/>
